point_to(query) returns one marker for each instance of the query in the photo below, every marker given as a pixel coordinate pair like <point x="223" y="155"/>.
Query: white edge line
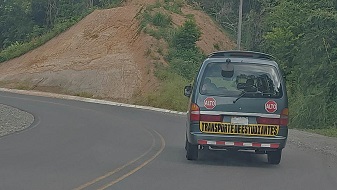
<point x="89" y="100"/>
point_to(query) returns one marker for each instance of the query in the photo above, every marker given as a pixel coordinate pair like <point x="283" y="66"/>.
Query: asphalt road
<point x="79" y="145"/>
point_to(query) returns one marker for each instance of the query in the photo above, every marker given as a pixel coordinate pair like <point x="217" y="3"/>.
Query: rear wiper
<point x="244" y="93"/>
<point x="240" y="96"/>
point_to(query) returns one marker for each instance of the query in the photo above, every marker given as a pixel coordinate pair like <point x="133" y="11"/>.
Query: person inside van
<point x="250" y="86"/>
<point x="208" y="86"/>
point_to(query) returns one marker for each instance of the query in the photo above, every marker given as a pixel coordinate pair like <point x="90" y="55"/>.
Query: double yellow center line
<point x="129" y="168"/>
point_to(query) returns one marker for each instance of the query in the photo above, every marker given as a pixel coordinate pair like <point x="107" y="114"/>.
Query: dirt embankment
<point x="103" y="56"/>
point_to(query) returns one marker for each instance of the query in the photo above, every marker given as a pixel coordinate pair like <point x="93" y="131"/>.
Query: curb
<point x="89" y="100"/>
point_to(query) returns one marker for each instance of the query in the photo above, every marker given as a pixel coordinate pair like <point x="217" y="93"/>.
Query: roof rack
<point x="237" y="53"/>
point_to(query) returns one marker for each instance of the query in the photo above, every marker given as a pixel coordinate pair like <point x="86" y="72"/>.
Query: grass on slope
<point x="170" y="94"/>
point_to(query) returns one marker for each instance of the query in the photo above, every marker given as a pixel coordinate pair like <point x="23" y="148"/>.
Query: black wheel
<point x="186" y="143"/>
<point x="274" y="157"/>
<point x="191" y="151"/>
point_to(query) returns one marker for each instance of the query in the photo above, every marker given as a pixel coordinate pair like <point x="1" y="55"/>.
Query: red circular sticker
<point x="270" y="106"/>
<point x="209" y="103"/>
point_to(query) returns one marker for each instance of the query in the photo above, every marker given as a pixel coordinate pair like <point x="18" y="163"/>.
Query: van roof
<point x="242" y="56"/>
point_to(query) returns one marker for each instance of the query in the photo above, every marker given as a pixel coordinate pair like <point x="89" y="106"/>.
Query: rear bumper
<point x="237" y="141"/>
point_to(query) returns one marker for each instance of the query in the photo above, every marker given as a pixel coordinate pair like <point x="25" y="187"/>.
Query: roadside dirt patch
<point x="213" y="37"/>
<point x="95" y="56"/>
<point x="103" y="56"/>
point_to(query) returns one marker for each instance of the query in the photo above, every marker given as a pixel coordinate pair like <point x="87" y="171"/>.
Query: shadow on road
<point x="219" y="158"/>
<point x="232" y="158"/>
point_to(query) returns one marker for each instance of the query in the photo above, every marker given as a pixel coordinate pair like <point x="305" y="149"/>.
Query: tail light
<point x="213" y="118"/>
<point x="194" y="112"/>
<point x="196" y="116"/>
<point x="284" y="117"/>
<point x="283" y="120"/>
<point x="270" y="121"/>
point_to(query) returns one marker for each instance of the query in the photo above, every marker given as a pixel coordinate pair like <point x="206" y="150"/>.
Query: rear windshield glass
<point x="241" y="79"/>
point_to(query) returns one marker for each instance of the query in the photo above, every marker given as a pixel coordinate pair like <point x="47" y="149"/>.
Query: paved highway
<point x="80" y="145"/>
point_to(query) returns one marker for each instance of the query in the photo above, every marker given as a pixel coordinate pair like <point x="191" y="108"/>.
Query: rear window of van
<point x="232" y="79"/>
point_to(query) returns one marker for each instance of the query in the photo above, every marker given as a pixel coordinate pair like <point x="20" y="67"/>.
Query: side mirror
<point x="188" y="90"/>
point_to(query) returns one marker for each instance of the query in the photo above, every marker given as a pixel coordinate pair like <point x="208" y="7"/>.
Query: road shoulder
<point x="316" y="142"/>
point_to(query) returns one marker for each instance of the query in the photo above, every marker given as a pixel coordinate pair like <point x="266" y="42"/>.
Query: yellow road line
<point x="127" y="164"/>
<point x="139" y="167"/>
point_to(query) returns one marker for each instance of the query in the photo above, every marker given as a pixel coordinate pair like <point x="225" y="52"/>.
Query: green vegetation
<point x="170" y="93"/>
<point x="27" y="24"/>
<point x="156" y="23"/>
<point x="306" y="49"/>
<point x="173" y="5"/>
<point x="23" y="87"/>
<point x="84" y="94"/>
<point x="161" y="20"/>
<point x="301" y="34"/>
<point x="183" y="56"/>
<point x="16" y="49"/>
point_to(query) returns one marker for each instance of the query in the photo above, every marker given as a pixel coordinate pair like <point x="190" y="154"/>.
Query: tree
<point x="187" y="35"/>
<point x="39" y="12"/>
<point x="52" y="11"/>
<point x="15" y="22"/>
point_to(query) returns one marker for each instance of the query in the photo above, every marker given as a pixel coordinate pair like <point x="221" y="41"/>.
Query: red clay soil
<point x="103" y="56"/>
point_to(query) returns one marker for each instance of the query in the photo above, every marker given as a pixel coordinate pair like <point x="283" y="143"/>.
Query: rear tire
<point x="274" y="157"/>
<point x="191" y="151"/>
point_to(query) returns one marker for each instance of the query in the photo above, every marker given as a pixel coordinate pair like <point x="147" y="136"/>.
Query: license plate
<point x="239" y="120"/>
<point x="238" y="129"/>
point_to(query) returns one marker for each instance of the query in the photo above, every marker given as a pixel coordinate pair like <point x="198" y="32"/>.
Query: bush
<point x="162" y="20"/>
<point x="174" y="5"/>
<point x="187" y="36"/>
<point x="185" y="62"/>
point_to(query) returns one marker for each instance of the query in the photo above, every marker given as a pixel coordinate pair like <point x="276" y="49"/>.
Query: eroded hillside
<point x="103" y="56"/>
